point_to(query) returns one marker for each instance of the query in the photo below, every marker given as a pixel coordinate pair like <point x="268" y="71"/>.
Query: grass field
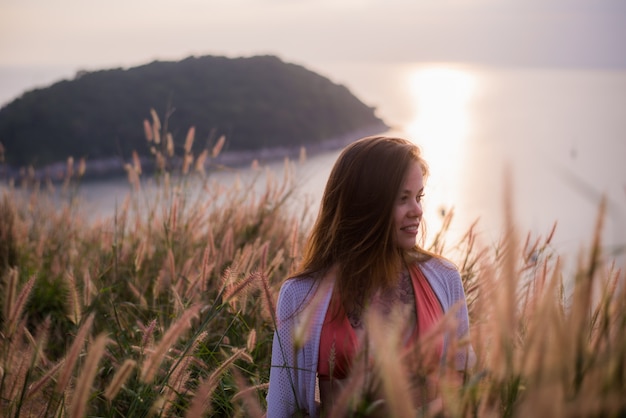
<point x="167" y="309"/>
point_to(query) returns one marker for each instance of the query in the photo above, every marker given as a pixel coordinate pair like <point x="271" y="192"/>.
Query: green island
<point x="258" y="104"/>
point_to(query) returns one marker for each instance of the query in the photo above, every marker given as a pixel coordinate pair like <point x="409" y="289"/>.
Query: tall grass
<point x="166" y="309"/>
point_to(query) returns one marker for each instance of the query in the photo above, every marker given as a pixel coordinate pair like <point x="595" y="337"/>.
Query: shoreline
<point x="114" y="167"/>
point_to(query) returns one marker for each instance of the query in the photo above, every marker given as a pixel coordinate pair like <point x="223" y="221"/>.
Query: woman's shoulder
<point x="440" y="264"/>
<point x="441" y="271"/>
<point x="299" y="282"/>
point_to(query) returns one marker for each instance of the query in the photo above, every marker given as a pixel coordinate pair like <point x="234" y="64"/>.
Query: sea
<point x="548" y="143"/>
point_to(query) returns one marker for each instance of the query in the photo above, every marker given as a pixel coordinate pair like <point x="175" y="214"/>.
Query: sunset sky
<point x="45" y="40"/>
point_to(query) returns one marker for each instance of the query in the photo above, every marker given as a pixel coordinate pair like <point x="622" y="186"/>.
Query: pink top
<point x="338" y="338"/>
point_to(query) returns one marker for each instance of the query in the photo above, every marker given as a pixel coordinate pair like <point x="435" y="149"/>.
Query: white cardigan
<point x="293" y="375"/>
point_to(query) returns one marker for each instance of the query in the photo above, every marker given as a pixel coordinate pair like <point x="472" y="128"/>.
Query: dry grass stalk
<point x="191" y="133"/>
<point x="74" y="352"/>
<point x="89" y="289"/>
<point x="169" y="145"/>
<point x="39" y="341"/>
<point x="121" y="376"/>
<point x="82" y="167"/>
<point x="250" y="400"/>
<point x="16" y="307"/>
<point x="138" y="294"/>
<point x="251" y="341"/>
<point x="10" y="279"/>
<point x="217" y="148"/>
<point x="201" y="402"/>
<point x="36" y="388"/>
<point x="180" y="374"/>
<point x="233" y="289"/>
<point x="74" y="309"/>
<point x="17" y="358"/>
<point x="85" y="380"/>
<point x="301" y="331"/>
<point x="187" y="163"/>
<point x="156" y="126"/>
<point x="147" y="130"/>
<point x="200" y="162"/>
<point x="385" y="335"/>
<point x="153" y="361"/>
<point x="136" y="163"/>
<point x="133" y="177"/>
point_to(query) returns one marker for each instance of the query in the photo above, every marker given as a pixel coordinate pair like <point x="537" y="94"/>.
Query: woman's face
<point x="407" y="212"/>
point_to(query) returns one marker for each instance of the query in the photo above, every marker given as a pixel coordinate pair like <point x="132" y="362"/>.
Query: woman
<point x="362" y="255"/>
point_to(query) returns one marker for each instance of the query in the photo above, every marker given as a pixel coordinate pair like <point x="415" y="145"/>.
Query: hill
<point x="257" y="102"/>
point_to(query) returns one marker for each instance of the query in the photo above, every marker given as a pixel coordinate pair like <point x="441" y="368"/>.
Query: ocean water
<point x="553" y="140"/>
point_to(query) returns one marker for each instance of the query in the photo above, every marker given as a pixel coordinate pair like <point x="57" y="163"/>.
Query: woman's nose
<point x="416" y="210"/>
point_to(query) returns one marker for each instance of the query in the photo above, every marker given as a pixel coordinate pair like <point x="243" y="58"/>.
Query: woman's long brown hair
<point x="354" y="227"/>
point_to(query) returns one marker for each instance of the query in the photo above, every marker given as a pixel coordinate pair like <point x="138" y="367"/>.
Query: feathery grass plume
<point x="269" y="300"/>
<point x="180" y="373"/>
<point x="169" y="145"/>
<point x="148" y="333"/>
<point x="250" y="400"/>
<point x="191" y="133"/>
<point x="140" y="254"/>
<point x="217" y="148"/>
<point x="73" y="353"/>
<point x="179" y="305"/>
<point x="206" y="268"/>
<point x="17" y="309"/>
<point x="147" y="130"/>
<point x="302" y="157"/>
<point x="228" y="245"/>
<point x="579" y="320"/>
<point x="153" y="361"/>
<point x="10" y="278"/>
<point x="233" y="289"/>
<point x="36" y="388"/>
<point x="40" y="341"/>
<point x="350" y="392"/>
<point x="187" y="163"/>
<point x="82" y="167"/>
<point x="301" y="331"/>
<point x="545" y="330"/>
<point x="200" y="162"/>
<point x="160" y="161"/>
<point x="293" y="248"/>
<point x="85" y="380"/>
<point x="173" y="221"/>
<point x="201" y="402"/>
<point x="121" y="376"/>
<point x="262" y="387"/>
<point x="74" y="313"/>
<point x="17" y="361"/>
<point x="133" y="177"/>
<point x="139" y="295"/>
<point x="438" y="244"/>
<point x="156" y="127"/>
<point x="164" y="279"/>
<point x="251" y="341"/>
<point x="136" y="163"/>
<point x="505" y="286"/>
<point x="384" y="336"/>
<point x="69" y="170"/>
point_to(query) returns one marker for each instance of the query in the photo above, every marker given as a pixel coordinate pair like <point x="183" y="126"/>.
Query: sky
<point x="46" y="40"/>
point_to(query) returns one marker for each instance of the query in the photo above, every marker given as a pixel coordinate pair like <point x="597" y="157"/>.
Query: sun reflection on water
<point x="441" y="126"/>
